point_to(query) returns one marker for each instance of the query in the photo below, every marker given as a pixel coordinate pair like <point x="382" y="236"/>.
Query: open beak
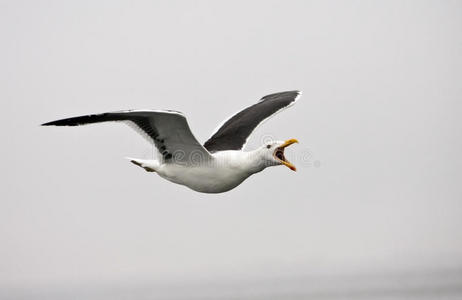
<point x="279" y="154"/>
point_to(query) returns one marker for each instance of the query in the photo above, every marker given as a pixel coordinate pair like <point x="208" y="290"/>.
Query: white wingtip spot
<point x="299" y="94"/>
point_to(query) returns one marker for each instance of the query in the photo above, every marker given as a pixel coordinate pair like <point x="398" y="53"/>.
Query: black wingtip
<point x="54" y="123"/>
<point x="71" y="121"/>
<point x="290" y="94"/>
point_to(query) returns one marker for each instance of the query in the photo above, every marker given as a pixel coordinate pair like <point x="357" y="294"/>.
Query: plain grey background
<point x="378" y="189"/>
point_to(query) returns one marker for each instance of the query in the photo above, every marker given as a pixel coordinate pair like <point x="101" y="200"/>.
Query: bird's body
<point x="220" y="164"/>
<point x="225" y="171"/>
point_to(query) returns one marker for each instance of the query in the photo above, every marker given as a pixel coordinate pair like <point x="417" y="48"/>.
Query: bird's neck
<point x="254" y="161"/>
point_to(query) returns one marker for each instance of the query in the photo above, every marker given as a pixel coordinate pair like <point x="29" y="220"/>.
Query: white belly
<point x="204" y="179"/>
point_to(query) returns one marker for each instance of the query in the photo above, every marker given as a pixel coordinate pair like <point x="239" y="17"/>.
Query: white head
<point x="273" y="153"/>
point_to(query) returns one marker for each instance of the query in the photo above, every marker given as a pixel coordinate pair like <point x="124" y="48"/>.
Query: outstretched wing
<point x="168" y="130"/>
<point x="235" y="131"/>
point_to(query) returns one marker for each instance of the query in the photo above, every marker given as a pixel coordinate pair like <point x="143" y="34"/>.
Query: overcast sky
<point x="378" y="186"/>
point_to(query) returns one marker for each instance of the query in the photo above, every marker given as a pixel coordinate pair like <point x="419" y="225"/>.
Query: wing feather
<point x="168" y="130"/>
<point x="235" y="131"/>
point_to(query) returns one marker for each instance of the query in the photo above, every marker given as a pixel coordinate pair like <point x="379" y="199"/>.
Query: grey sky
<point x="380" y="114"/>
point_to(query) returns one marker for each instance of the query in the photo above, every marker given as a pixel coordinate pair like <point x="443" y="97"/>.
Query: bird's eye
<point x="268" y="146"/>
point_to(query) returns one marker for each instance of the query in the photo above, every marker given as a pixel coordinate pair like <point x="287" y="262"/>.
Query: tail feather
<point x="147" y="164"/>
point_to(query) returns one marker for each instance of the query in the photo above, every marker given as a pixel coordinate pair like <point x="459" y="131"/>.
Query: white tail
<point x="149" y="165"/>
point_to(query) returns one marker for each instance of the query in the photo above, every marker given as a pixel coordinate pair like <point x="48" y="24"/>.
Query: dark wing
<point x="168" y="130"/>
<point x="233" y="134"/>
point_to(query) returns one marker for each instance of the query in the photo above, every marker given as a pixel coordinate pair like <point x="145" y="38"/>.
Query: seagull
<point x="217" y="166"/>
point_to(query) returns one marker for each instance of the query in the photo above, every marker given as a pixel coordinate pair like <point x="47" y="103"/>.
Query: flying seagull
<point x="215" y="167"/>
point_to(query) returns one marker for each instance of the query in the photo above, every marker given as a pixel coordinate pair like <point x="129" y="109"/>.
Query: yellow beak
<point x="288" y="143"/>
<point x="281" y="157"/>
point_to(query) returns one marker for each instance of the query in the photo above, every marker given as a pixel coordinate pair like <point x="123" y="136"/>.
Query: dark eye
<point x="268" y="146"/>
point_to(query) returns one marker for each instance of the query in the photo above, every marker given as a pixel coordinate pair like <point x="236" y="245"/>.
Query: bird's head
<point x="273" y="153"/>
